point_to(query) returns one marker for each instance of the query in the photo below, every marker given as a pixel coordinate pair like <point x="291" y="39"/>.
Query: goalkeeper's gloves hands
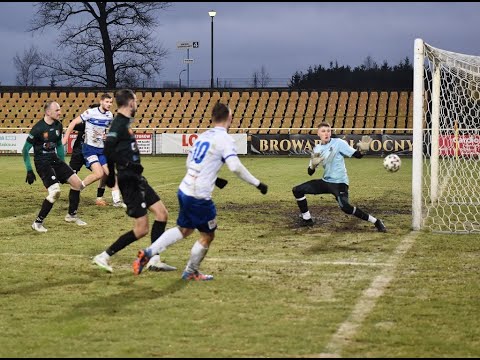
<point x="364" y="145"/>
<point x="263" y="188"/>
<point x="310" y="171"/>
<point x="221" y="183"/>
<point x="315" y="160"/>
<point x="30" y="177"/>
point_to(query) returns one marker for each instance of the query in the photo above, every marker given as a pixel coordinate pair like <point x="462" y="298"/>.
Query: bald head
<point x="52" y="110"/>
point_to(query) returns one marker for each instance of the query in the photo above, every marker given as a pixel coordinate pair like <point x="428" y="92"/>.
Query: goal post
<point x="446" y="140"/>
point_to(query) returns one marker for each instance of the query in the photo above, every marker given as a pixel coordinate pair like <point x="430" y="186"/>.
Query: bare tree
<point x="108" y="43"/>
<point x="27" y="66"/>
<point x="260" y="78"/>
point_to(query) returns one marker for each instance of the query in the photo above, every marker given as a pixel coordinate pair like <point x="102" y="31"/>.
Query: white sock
<point x="169" y="237"/>
<point x="196" y="257"/>
<point x="372" y="219"/>
<point x="306" y="216"/>
<point x="105" y="255"/>
<point x="116" y="196"/>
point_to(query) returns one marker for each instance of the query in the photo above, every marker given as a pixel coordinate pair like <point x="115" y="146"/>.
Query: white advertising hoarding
<point x="12" y="143"/>
<point x="182" y="143"/>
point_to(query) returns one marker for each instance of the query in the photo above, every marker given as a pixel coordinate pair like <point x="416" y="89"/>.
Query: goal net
<point x="446" y="165"/>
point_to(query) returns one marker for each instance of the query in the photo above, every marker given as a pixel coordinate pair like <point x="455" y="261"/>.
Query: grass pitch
<point x="279" y="289"/>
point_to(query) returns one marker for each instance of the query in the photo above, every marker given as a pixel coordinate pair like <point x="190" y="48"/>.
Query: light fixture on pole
<point x="212" y="14"/>
<point x="180" y="79"/>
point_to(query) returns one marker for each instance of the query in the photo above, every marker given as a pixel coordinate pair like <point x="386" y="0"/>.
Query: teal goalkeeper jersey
<point x="333" y="163"/>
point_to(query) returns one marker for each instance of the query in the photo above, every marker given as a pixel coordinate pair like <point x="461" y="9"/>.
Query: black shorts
<point x="77" y="160"/>
<point x="315" y="187"/>
<point x="137" y="194"/>
<point x="53" y="171"/>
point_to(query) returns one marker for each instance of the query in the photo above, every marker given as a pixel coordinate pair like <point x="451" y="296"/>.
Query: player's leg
<point x="341" y="194"/>
<point x="312" y="187"/>
<point x="93" y="158"/>
<point x="131" y="188"/>
<point x="51" y="183"/>
<point x="203" y="215"/>
<point x="66" y="174"/>
<point x="77" y="161"/>
<point x="100" y="201"/>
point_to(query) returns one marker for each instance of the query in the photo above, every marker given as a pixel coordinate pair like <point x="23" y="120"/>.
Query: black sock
<point x="360" y="214"/>
<point x="122" y="242"/>
<point x="158" y="228"/>
<point x="302" y="204"/>
<point x="46" y="207"/>
<point x="73" y="201"/>
<point x="100" y="192"/>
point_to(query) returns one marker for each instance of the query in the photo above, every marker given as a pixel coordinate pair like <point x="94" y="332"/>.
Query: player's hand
<point x="110" y="182"/>
<point x="30" y="177"/>
<point x="310" y="171"/>
<point x="221" y="183"/>
<point x="263" y="188"/>
<point x="364" y="145"/>
<point x="315" y="160"/>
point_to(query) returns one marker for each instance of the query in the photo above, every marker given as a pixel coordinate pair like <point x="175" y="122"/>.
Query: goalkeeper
<point x="330" y="154"/>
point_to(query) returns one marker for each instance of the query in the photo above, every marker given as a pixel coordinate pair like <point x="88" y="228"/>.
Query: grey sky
<point x="285" y="37"/>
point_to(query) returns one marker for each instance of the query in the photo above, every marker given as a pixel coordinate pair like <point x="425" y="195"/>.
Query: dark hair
<point x="106" y="96"/>
<point x="122" y="97"/>
<point x="48" y="104"/>
<point x="324" y="124"/>
<point x="93" y="106"/>
<point x="220" y="112"/>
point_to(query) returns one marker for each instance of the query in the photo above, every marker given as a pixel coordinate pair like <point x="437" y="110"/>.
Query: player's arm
<point x="26" y="159"/>
<point x="363" y="146"/>
<point x="235" y="166"/>
<point x="60" y="150"/>
<point x="71" y="126"/>
<point x="315" y="160"/>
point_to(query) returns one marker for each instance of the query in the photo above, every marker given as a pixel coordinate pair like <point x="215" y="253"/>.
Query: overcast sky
<point x="284" y="37"/>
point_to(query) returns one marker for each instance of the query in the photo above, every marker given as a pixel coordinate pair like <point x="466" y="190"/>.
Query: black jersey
<point x="45" y="139"/>
<point x="121" y="145"/>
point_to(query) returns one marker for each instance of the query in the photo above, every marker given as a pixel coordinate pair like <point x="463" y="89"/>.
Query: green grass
<point x="279" y="290"/>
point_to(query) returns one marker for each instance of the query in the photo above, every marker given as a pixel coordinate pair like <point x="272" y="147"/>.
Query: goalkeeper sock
<point x="302" y="204"/>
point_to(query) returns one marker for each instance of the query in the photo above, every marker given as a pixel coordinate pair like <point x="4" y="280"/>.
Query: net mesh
<point x="451" y="188"/>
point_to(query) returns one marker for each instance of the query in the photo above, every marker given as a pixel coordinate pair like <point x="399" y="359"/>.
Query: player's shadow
<point x="114" y="303"/>
<point x="42" y="286"/>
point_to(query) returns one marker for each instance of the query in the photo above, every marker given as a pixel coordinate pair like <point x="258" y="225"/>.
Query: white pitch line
<point x="232" y="260"/>
<point x="293" y="261"/>
<point x="348" y="329"/>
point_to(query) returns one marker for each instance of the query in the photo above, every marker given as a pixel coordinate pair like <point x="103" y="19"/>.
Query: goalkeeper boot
<point x="142" y="259"/>
<point x="380" y="226"/>
<point x="196" y="275"/>
<point x="155" y="264"/>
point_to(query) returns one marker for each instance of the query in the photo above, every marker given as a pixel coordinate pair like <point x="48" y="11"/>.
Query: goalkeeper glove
<point x="310" y="171"/>
<point x="315" y="160"/>
<point x="364" y="145"/>
<point x="30" y="177"/>
<point x="263" y="188"/>
<point x="221" y="183"/>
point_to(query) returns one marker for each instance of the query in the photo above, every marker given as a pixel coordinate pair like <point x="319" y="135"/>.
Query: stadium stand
<point x="262" y="111"/>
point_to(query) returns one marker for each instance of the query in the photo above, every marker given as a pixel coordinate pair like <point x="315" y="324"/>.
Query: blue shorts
<point x="197" y="214"/>
<point x="92" y="154"/>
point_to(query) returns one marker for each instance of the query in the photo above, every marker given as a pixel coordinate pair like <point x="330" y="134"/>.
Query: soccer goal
<point x="446" y="141"/>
